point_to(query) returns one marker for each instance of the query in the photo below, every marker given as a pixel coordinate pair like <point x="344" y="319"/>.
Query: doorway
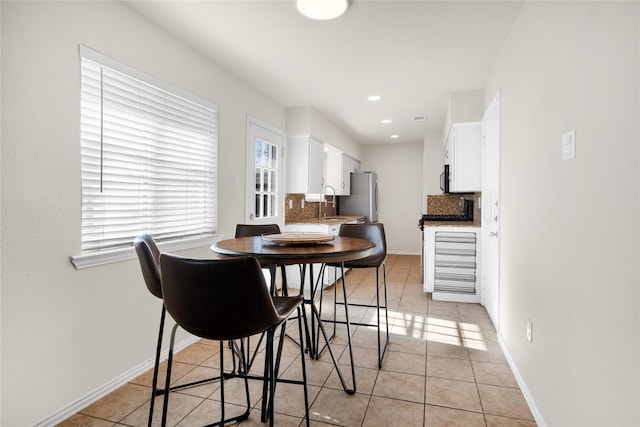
<point x="490" y="229"/>
<point x="264" y="202"/>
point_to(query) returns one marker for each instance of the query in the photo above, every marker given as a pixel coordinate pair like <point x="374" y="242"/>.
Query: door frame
<point x="250" y="173"/>
<point x="490" y="225"/>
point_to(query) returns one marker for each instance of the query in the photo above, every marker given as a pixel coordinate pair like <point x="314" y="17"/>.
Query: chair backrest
<point x="248" y="230"/>
<point x="217" y="299"/>
<point x="374" y="232"/>
<point x="149" y="257"/>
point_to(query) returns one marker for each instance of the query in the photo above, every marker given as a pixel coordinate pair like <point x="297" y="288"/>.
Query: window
<point x="266" y="204"/>
<point x="149" y="157"/>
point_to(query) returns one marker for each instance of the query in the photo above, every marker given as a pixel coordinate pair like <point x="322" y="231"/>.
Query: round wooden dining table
<point x="335" y="250"/>
<point x="338" y="249"/>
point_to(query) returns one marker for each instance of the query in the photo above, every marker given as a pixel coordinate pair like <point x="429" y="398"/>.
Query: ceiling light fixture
<point x="374" y="98"/>
<point x="386" y="121"/>
<point x="322" y="9"/>
<point x="395" y="136"/>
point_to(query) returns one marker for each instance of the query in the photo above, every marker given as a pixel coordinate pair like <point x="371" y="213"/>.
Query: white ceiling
<point x="412" y="53"/>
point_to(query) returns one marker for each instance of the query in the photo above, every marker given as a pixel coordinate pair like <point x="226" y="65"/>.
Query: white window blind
<point x="149" y="158"/>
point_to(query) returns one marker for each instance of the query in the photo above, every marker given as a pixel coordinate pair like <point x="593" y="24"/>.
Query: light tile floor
<point x="443" y="367"/>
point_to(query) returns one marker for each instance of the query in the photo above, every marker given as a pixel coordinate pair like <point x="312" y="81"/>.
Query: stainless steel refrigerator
<point x="364" y="197"/>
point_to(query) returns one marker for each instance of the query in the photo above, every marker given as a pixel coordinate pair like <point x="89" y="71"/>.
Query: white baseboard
<point x="453" y="297"/>
<point x="404" y="252"/>
<point x="537" y="416"/>
<point x="112" y="385"/>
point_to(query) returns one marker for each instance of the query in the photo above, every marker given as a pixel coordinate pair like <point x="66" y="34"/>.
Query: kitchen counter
<point x="327" y="225"/>
<point x="329" y="220"/>
<point x="452" y="224"/>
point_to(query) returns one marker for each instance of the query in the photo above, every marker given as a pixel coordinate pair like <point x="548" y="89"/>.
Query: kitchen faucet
<point x="333" y="201"/>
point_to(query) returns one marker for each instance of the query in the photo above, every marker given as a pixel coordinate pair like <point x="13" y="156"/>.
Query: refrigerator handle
<point x="377" y="194"/>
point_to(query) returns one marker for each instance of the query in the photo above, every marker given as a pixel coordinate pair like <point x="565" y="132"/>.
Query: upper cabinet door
<point x="464" y="152"/>
<point x="316" y="166"/>
<point x="338" y="170"/>
<point x="305" y="165"/>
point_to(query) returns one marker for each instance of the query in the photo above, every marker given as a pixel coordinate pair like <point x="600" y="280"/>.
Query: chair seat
<point x="287" y="305"/>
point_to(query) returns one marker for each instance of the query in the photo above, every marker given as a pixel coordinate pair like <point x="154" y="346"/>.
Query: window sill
<point x="106" y="257"/>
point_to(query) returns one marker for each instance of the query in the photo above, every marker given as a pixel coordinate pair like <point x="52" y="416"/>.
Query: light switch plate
<point x="569" y="145"/>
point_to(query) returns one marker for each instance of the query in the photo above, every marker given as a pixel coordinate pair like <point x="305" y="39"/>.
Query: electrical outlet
<point x="569" y="145"/>
<point x="529" y="331"/>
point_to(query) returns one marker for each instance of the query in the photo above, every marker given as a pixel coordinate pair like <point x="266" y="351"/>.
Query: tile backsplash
<point x="310" y="211"/>
<point x="451" y="204"/>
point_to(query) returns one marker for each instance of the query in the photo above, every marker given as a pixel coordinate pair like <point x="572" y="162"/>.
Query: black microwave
<point x="444" y="180"/>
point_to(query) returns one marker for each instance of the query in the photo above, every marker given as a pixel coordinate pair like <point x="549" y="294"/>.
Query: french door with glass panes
<point x="265" y="192"/>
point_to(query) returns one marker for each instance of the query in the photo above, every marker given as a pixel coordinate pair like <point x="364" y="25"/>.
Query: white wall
<point x="432" y="166"/>
<point x="464" y="107"/>
<point x="570" y="229"/>
<point x="399" y="169"/>
<point x="308" y="121"/>
<point x="67" y="332"/>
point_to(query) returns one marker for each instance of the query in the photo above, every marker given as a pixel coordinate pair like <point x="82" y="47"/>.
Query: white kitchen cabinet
<point x="305" y="165"/>
<point x="463" y="154"/>
<point x="338" y="168"/>
<point x="451" y="263"/>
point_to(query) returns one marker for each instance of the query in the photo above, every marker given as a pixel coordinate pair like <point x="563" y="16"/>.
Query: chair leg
<point x="301" y="313"/>
<point x="285" y="289"/>
<point x="267" y="367"/>
<point x="272" y="377"/>
<point x="272" y="367"/>
<point x="386" y="306"/>
<point x="156" y="365"/>
<point x="269" y="381"/>
<point x="165" y="403"/>
<point x="381" y="349"/>
<point x="221" y="383"/>
<point x="335" y="294"/>
<point x="335" y="298"/>
<point x="272" y="284"/>
<point x="265" y="383"/>
<point x="348" y="323"/>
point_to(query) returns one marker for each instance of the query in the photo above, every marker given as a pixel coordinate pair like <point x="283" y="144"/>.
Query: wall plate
<point x="569" y="145"/>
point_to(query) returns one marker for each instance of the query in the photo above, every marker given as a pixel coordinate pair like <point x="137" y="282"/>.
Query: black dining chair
<point x="228" y="299"/>
<point x="250" y="230"/>
<point x="149" y="258"/>
<point x="374" y="232"/>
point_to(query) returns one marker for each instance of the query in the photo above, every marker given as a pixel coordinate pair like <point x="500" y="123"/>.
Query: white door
<point x="265" y="190"/>
<point x="490" y="230"/>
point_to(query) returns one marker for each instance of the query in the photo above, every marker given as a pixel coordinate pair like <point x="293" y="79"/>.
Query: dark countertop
<point x="451" y="224"/>
<point x="330" y="220"/>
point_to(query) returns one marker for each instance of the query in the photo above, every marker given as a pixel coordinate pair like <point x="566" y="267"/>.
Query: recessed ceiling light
<point x="322" y="9"/>
<point x="419" y="118"/>
<point x="395" y="136"/>
<point x="385" y="121"/>
<point x="374" y="98"/>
